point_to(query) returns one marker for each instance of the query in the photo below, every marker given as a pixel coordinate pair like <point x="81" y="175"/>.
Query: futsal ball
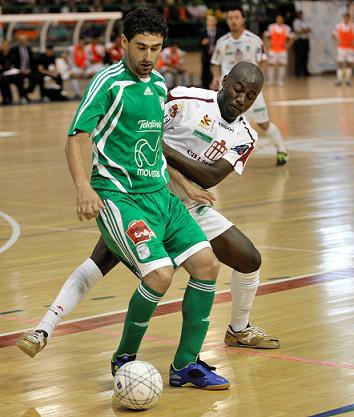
<point x="137" y="385"/>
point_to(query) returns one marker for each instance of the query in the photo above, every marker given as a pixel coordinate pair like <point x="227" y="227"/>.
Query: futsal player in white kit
<point x="242" y="45"/>
<point x="207" y="137"/>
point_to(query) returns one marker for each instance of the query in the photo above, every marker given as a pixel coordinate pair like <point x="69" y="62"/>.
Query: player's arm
<point x="216" y="72"/>
<point x="204" y="175"/>
<point x="193" y="191"/>
<point x="290" y="38"/>
<point x="78" y="152"/>
<point x="215" y="66"/>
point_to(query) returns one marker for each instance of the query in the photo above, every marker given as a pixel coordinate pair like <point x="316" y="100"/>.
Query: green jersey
<point x="124" y="116"/>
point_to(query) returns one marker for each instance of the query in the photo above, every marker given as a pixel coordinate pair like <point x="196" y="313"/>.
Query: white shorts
<point x="210" y="220"/>
<point x="277" y="58"/>
<point x="345" y="55"/>
<point x="258" y="112"/>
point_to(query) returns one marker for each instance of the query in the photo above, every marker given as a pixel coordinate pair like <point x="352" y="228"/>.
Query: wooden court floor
<point x="300" y="216"/>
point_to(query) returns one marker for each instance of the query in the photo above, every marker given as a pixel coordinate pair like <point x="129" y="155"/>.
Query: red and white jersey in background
<point x="278" y="35"/>
<point x="194" y="127"/>
<point x="229" y="51"/>
<point x="345" y="35"/>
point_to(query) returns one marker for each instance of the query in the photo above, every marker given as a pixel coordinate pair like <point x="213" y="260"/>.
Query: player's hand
<point x="215" y="84"/>
<point x="89" y="203"/>
<point x="195" y="193"/>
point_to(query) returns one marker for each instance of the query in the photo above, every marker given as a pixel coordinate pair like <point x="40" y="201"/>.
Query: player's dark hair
<point x="234" y="8"/>
<point x="144" y="21"/>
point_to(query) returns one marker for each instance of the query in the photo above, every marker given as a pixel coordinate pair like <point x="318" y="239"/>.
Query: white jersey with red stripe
<point x="195" y="128"/>
<point x="229" y="51"/>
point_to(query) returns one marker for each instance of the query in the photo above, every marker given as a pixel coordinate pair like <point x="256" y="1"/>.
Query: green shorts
<point x="149" y="231"/>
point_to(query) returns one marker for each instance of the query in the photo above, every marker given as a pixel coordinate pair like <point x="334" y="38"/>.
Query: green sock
<point x="197" y="302"/>
<point x="141" y="307"/>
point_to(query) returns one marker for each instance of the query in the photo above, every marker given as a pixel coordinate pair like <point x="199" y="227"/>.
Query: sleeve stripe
<point x="103" y="77"/>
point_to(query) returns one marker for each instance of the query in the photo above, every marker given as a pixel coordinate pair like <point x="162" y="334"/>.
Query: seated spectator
<point x="95" y="56"/>
<point x="49" y="79"/>
<point x="9" y="75"/>
<point x="23" y="59"/>
<point x="72" y="65"/>
<point x="171" y="66"/>
<point x="114" y="51"/>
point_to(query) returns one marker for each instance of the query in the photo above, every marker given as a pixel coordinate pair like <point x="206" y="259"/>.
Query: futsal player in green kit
<point x="142" y="223"/>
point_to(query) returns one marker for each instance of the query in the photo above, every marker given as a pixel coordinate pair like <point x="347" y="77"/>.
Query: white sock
<point x="274" y="133"/>
<point x="243" y="291"/>
<point x="271" y="73"/>
<point x="281" y="74"/>
<point x="348" y="74"/>
<point x="340" y="74"/>
<point x="72" y="292"/>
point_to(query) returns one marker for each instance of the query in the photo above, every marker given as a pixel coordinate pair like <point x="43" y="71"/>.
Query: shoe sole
<point x="27" y="347"/>
<point x="209" y="388"/>
<point x="252" y="346"/>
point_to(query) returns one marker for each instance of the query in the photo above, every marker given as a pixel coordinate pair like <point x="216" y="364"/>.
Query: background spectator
<point x="9" y="75"/>
<point x="209" y="35"/>
<point x="301" y="45"/>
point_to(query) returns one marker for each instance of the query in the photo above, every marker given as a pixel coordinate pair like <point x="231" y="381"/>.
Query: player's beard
<point x="144" y="68"/>
<point x="141" y="69"/>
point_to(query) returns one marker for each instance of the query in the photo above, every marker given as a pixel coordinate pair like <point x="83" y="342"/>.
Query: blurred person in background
<point x="197" y="9"/>
<point x="242" y="45"/>
<point x="344" y="36"/>
<point x="95" y="56"/>
<point x="22" y="58"/>
<point x="301" y="44"/>
<point x="171" y="66"/>
<point x="279" y="39"/>
<point x="47" y="74"/>
<point x="9" y="75"/>
<point x="114" y="51"/>
<point x="209" y="35"/>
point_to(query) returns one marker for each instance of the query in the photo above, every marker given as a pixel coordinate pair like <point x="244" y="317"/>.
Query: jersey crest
<point x="139" y="232"/>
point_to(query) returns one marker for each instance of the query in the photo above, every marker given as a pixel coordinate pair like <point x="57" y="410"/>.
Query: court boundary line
<point x="173" y="306"/>
<point x="16" y="232"/>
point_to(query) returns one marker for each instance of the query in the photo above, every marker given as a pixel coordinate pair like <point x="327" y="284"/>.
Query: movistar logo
<point x="149" y="124"/>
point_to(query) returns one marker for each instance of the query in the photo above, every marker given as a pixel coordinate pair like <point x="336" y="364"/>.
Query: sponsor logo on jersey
<point x="173" y="110"/>
<point x="216" y="150"/>
<point x="146" y="155"/>
<point x="240" y="149"/>
<point x="226" y="127"/>
<point x="149" y="124"/>
<point x="139" y="232"/>
<point x="196" y="157"/>
<point x="148" y="173"/>
<point x="143" y="251"/>
<point x="148" y="92"/>
<point x="239" y="54"/>
<point x="207" y="123"/>
<point x="202" y="136"/>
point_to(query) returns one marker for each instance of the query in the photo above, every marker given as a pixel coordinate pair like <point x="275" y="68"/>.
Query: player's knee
<point x="103" y="257"/>
<point x="160" y="279"/>
<point x="208" y="266"/>
<point x="250" y="261"/>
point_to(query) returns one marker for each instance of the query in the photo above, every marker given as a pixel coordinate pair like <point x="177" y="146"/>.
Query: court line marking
<point x="335" y="411"/>
<point x="7" y="134"/>
<point x="314" y="101"/>
<point x="115" y="317"/>
<point x="16" y="232"/>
